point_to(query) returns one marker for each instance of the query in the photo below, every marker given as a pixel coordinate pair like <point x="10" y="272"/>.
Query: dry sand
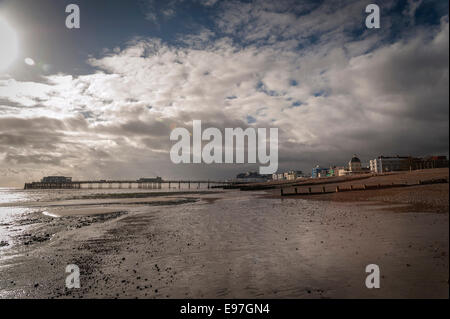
<point x="421" y="198"/>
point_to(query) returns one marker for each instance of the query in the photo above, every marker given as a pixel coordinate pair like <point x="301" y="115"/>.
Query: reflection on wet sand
<point x="221" y="245"/>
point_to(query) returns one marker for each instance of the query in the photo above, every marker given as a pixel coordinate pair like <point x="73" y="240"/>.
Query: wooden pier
<point x="127" y="184"/>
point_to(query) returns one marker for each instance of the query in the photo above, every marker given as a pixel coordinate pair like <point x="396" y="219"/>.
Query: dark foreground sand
<point x="234" y="244"/>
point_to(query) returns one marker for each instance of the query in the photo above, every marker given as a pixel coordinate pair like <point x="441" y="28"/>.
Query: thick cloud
<point x="331" y="94"/>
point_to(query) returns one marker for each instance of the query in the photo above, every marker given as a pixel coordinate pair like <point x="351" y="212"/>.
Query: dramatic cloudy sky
<point x="100" y="102"/>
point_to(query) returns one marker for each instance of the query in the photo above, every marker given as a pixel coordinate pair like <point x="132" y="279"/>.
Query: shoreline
<point x="233" y="244"/>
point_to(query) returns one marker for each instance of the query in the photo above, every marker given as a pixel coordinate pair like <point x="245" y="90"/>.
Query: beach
<point x="431" y="197"/>
<point x="226" y="243"/>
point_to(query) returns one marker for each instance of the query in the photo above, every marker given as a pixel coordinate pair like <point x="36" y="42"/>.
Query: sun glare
<point x="8" y="45"/>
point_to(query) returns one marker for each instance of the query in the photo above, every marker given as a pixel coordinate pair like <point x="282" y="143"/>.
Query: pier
<point x="127" y="184"/>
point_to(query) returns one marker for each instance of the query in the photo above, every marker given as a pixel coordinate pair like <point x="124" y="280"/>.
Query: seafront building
<point x="335" y="170"/>
<point x="383" y="164"/>
<point x="289" y="175"/>
<point x="277" y="176"/>
<point x="56" y="179"/>
<point x="354" y="165"/>
<point x="249" y="177"/>
<point x="432" y="162"/>
<point x="343" y="171"/>
<point x="292" y="175"/>
<point x="389" y="164"/>
<point x="318" y="171"/>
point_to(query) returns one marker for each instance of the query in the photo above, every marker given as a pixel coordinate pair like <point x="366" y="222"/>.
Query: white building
<point x="289" y="175"/>
<point x="343" y="172"/>
<point x="292" y="175"/>
<point x="389" y="164"/>
<point x="278" y="176"/>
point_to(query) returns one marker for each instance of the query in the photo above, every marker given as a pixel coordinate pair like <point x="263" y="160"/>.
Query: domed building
<point x="355" y="164"/>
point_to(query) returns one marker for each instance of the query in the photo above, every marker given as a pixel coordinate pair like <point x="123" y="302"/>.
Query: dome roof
<point x="355" y="159"/>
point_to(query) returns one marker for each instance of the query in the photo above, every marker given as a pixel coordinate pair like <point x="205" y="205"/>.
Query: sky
<point x="100" y="101"/>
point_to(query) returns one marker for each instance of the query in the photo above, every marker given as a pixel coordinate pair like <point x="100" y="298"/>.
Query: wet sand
<point x="233" y="245"/>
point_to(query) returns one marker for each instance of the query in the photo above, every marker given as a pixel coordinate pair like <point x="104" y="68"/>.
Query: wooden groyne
<point x="360" y="187"/>
<point x="298" y="183"/>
